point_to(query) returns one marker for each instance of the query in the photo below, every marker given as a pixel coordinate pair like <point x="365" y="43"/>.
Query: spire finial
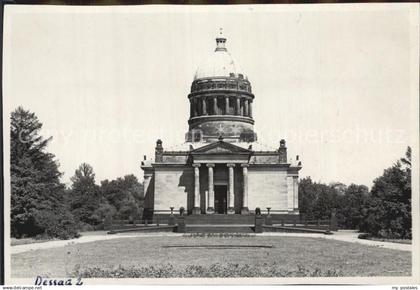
<point x="220" y="41"/>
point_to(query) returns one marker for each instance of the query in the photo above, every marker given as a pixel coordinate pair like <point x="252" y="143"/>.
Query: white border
<point x="412" y="8"/>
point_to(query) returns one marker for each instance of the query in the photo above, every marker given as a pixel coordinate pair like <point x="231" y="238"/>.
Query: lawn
<point x="142" y="256"/>
<point x="25" y="241"/>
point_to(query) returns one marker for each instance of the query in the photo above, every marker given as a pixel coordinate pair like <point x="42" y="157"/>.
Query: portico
<point x="220" y="194"/>
<point x="225" y="184"/>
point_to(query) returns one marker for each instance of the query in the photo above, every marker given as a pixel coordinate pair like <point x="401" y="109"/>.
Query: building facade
<point x="221" y="168"/>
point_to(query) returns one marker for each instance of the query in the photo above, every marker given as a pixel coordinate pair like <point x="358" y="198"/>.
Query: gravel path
<point x="345" y="236"/>
<point x="83" y="239"/>
<point x="348" y="236"/>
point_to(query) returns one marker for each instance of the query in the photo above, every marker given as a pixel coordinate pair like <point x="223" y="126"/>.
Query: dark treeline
<point x="384" y="211"/>
<point x="42" y="206"/>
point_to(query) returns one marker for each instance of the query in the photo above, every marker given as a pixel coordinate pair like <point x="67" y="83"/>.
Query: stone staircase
<point x="220" y="223"/>
<point x="220" y="219"/>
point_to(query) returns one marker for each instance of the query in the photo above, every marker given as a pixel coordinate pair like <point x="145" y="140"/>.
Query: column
<point x="210" y="208"/>
<point x="227" y="106"/>
<point x="238" y="106"/>
<point x="215" y="110"/>
<point x="203" y="104"/>
<point x="245" y="209"/>
<point x="246" y="108"/>
<point x="196" y="209"/>
<point x="250" y="109"/>
<point x="231" y="199"/>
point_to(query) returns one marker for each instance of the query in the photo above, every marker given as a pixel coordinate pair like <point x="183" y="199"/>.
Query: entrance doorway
<point x="220" y="199"/>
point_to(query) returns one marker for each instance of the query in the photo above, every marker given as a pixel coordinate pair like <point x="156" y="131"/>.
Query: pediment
<point x="220" y="147"/>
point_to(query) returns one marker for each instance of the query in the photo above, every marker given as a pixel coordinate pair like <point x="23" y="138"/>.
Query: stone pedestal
<point x="231" y="210"/>
<point x="181" y="224"/>
<point x="196" y="210"/>
<point x="269" y="220"/>
<point x="259" y="221"/>
<point x="171" y="221"/>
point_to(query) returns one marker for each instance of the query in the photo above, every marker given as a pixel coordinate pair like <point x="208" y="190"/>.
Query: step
<point x="197" y="228"/>
<point x="220" y="219"/>
<point x="289" y="229"/>
<point x="144" y="229"/>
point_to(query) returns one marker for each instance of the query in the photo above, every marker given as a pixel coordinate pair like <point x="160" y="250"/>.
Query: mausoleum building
<point x="221" y="168"/>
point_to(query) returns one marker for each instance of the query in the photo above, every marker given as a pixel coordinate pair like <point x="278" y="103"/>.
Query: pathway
<point x="345" y="236"/>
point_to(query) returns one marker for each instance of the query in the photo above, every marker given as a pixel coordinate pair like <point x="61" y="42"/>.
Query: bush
<point x="364" y="236"/>
<point x="384" y="219"/>
<point x="56" y="225"/>
<point x="86" y="227"/>
<point x="211" y="271"/>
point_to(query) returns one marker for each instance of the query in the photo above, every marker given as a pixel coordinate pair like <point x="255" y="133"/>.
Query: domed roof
<point x="219" y="64"/>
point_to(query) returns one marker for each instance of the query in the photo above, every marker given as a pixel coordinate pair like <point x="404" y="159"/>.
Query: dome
<point x="219" y="64"/>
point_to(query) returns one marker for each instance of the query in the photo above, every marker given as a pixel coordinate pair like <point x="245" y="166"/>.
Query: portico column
<point x="238" y="106"/>
<point x="245" y="209"/>
<point x="246" y="108"/>
<point x="227" y="106"/>
<point x="210" y="208"/>
<point x="231" y="207"/>
<point x="196" y="209"/>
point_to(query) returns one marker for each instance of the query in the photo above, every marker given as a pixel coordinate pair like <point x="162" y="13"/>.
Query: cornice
<point x="211" y="118"/>
<point x="217" y="92"/>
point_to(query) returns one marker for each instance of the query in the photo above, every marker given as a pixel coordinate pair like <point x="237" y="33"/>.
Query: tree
<point x="316" y="200"/>
<point x="125" y="194"/>
<point x="307" y="198"/>
<point x="37" y="195"/>
<point x="350" y="206"/>
<point x="85" y="195"/>
<point x="388" y="212"/>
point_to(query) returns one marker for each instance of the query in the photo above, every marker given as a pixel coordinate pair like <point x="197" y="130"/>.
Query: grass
<point x="268" y="256"/>
<point x="398" y="241"/>
<point x="26" y="241"/>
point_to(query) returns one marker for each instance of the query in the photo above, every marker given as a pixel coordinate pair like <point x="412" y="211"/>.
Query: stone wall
<point x="267" y="187"/>
<point x="182" y="159"/>
<point x="173" y="187"/>
<point x="266" y="159"/>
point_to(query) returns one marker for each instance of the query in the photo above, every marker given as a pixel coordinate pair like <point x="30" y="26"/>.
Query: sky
<point x="339" y="83"/>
